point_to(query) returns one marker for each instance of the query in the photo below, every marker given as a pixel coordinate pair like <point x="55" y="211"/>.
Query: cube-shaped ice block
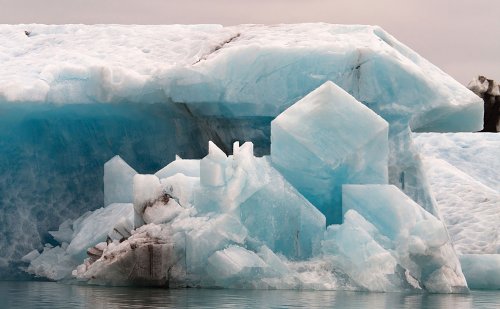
<point x="327" y="139"/>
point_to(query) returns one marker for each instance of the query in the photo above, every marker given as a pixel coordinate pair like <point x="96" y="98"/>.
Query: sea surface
<point x="16" y="294"/>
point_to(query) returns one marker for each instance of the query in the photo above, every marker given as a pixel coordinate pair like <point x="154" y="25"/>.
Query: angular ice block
<point x="418" y="239"/>
<point x="118" y="181"/>
<point x="234" y="263"/>
<point x="278" y="215"/>
<point x="327" y="139"/>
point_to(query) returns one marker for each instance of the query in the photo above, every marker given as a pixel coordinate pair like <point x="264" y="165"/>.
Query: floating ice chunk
<point x="482" y="271"/>
<point x="419" y="239"/>
<point x="234" y="264"/>
<point x="327" y="139"/>
<point x="215" y="234"/>
<point x="189" y="168"/>
<point x="53" y="263"/>
<point x="118" y="181"/>
<point x="96" y="227"/>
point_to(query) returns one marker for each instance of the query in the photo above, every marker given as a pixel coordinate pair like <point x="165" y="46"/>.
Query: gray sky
<point x="462" y="37"/>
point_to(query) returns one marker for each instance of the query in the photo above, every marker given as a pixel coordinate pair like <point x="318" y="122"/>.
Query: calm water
<point x="54" y="295"/>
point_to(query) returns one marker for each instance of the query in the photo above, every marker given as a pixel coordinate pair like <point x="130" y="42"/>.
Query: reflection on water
<point x="54" y="295"/>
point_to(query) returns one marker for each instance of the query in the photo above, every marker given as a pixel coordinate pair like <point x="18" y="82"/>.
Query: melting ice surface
<point x="344" y="100"/>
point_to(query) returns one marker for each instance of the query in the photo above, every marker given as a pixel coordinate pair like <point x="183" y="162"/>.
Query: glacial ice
<point x="318" y="147"/>
<point x="77" y="237"/>
<point x="118" y="182"/>
<point x="240" y="224"/>
<point x="173" y="89"/>
<point x="419" y="240"/>
<point x="460" y="168"/>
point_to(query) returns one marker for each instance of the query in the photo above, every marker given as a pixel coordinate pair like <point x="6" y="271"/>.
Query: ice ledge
<point x="240" y="70"/>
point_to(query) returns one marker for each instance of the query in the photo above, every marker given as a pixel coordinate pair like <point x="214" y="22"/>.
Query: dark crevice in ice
<point x="217" y="47"/>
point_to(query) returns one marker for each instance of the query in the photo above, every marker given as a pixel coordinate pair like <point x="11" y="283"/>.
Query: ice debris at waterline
<point x="148" y="93"/>
<point x="242" y="224"/>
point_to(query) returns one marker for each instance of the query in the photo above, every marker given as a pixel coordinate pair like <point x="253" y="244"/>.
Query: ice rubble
<point x="241" y="224"/>
<point x="210" y="82"/>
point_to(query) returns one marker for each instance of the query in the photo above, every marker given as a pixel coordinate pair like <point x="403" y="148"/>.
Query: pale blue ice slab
<point x="328" y="139"/>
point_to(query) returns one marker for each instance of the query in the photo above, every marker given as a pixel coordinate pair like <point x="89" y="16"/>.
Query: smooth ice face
<point x="279" y="216"/>
<point x="419" y="240"/>
<point x="328" y="139"/>
<point x="118" y="182"/>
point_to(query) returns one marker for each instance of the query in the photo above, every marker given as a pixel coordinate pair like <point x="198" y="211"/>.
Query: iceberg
<point x="244" y="219"/>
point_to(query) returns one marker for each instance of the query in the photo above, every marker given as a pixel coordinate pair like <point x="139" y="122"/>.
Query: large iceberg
<point x="241" y="224"/>
<point x="154" y="93"/>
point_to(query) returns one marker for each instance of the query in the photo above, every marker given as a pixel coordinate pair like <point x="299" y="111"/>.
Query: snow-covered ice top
<point x="462" y="169"/>
<point x="241" y="70"/>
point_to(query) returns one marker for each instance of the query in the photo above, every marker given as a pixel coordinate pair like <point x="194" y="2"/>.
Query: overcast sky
<point x="462" y="37"/>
